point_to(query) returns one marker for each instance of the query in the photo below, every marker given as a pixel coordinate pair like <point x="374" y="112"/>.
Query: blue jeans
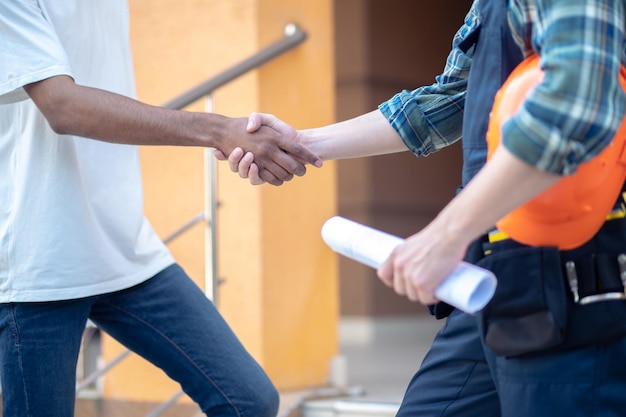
<point x="167" y="320"/>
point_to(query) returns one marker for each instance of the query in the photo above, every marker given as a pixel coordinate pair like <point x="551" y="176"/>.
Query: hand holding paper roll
<point x="468" y="287"/>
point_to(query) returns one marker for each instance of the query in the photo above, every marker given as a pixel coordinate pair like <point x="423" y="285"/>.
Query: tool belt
<point x="549" y="300"/>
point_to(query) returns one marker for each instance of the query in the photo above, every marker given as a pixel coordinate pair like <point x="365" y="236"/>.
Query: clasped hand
<point x="273" y="154"/>
<point x="417" y="266"/>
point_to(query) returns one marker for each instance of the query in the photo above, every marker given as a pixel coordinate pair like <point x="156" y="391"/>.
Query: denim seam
<point x="18" y="353"/>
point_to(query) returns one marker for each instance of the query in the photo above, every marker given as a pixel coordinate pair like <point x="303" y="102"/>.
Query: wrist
<point x="459" y="224"/>
<point x="212" y="131"/>
<point x="313" y="141"/>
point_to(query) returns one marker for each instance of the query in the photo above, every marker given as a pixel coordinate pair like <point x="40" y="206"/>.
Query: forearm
<point x="97" y="114"/>
<point x="365" y="135"/>
<point x="502" y="185"/>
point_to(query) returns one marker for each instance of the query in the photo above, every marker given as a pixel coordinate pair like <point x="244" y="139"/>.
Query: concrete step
<point x="335" y="402"/>
<point x="348" y="408"/>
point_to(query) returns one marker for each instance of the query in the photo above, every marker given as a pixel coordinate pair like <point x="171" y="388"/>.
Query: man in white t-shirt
<point x="74" y="243"/>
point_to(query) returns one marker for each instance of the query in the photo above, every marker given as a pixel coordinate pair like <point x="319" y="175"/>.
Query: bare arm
<point x="365" y="135"/>
<point x="97" y="114"/>
<point x="416" y="267"/>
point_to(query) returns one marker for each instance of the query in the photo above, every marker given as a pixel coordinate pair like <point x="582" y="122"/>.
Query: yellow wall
<point x="280" y="284"/>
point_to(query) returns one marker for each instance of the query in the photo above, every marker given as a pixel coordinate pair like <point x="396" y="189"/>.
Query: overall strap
<point x="495" y="55"/>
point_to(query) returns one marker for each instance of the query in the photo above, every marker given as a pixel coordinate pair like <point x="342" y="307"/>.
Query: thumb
<point x="255" y="121"/>
<point x="219" y="155"/>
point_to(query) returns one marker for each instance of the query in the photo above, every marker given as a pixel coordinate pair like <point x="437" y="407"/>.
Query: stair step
<point x="348" y="408"/>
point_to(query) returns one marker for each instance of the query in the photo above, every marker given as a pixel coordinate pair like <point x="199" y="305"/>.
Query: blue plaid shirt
<point x="567" y="119"/>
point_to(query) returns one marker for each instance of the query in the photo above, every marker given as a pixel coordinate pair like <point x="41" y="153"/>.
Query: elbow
<point x="59" y="114"/>
<point x="53" y="98"/>
<point x="59" y="121"/>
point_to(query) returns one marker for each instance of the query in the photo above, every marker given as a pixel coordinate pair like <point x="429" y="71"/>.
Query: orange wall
<point x="280" y="291"/>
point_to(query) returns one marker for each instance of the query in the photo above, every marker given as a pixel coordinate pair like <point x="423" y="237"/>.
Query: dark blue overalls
<point x="459" y="375"/>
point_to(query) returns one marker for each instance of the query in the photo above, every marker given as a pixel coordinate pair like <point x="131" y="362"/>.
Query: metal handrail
<point x="294" y="36"/>
<point x="170" y="402"/>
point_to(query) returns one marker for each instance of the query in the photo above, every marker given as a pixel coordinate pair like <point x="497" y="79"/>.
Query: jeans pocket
<point x="529" y="310"/>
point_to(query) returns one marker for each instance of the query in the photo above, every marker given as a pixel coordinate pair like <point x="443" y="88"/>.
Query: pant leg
<point x="170" y="322"/>
<point x="454" y="378"/>
<point x="39" y="345"/>
<point x="587" y="382"/>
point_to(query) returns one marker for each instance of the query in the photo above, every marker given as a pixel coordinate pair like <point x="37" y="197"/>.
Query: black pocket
<point x="528" y="312"/>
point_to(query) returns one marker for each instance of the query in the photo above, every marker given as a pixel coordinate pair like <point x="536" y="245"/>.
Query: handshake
<point x="276" y="152"/>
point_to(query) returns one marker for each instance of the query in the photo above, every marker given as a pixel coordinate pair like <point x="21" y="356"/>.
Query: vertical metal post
<point x="210" y="207"/>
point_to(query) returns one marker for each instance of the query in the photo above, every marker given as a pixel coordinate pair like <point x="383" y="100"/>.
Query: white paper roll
<point x="468" y="287"/>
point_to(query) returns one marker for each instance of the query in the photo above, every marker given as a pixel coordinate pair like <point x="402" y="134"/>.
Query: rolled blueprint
<point x="468" y="287"/>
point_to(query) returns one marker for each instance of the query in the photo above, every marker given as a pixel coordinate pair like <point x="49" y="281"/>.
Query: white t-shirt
<point x="71" y="209"/>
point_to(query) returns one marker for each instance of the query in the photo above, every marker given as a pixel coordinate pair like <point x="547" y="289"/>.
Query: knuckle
<point x="285" y="176"/>
<point x="299" y="170"/>
<point x="297" y="148"/>
<point x="267" y="148"/>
